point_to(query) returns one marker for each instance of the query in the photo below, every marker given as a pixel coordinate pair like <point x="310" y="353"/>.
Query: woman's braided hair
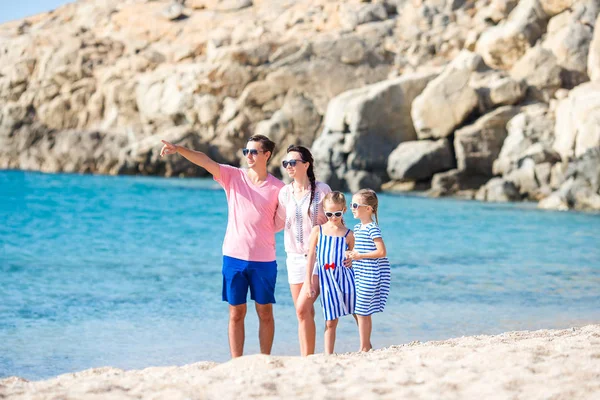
<point x="307" y="157"/>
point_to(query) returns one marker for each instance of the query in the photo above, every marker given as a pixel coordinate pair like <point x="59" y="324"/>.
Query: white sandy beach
<point x="545" y="364"/>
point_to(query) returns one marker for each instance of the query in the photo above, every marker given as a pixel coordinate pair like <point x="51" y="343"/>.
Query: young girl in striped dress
<point x="370" y="264"/>
<point x="327" y="245"/>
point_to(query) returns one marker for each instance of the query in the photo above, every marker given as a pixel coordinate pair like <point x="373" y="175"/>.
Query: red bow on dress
<point x="329" y="266"/>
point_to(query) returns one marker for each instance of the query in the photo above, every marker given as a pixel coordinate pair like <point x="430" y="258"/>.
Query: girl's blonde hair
<point x="336" y="198"/>
<point x="369" y="197"/>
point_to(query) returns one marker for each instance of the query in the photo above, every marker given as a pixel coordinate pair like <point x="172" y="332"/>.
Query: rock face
<point x="503" y="45"/>
<point x="456" y="182"/>
<point x="499" y="191"/>
<point x="420" y="159"/>
<point x="496" y="88"/>
<point x="581" y="188"/>
<point x="480" y="99"/>
<point x="479" y="144"/>
<point x="569" y="36"/>
<point x="534" y="125"/>
<point x="577" y="129"/>
<point x="594" y="55"/>
<point x="363" y="126"/>
<point x="447" y="100"/>
<point x="539" y="69"/>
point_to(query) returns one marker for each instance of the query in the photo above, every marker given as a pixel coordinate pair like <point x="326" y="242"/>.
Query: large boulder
<point x="478" y="145"/>
<point x="276" y="128"/>
<point x="420" y="159"/>
<point x="330" y="152"/>
<point x="557" y="200"/>
<point x="581" y="188"/>
<point x="569" y="36"/>
<point x="498" y="10"/>
<point x="540" y="70"/>
<point x="456" y="182"/>
<point x="259" y="93"/>
<point x="499" y="191"/>
<point x="593" y="65"/>
<point x="351" y="15"/>
<point x="296" y="122"/>
<point x="506" y="91"/>
<point x="554" y="7"/>
<point x="578" y="121"/>
<point x="497" y="88"/>
<point x="448" y="99"/>
<point x="524" y="178"/>
<point x="382" y="107"/>
<point x="501" y="46"/>
<point x="356" y="180"/>
<point x="363" y="126"/>
<point x="530" y="134"/>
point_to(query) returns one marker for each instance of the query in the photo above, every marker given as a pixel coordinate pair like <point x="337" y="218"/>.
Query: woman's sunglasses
<point x="291" y="163"/>
<point x="331" y="214"/>
<point x="356" y="205"/>
<point x="254" y="152"/>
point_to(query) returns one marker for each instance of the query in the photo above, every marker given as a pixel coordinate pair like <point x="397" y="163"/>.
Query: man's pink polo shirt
<point x="252" y="220"/>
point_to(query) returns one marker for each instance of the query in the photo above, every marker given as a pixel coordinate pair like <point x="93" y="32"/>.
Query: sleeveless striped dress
<point x="372" y="275"/>
<point x="336" y="281"/>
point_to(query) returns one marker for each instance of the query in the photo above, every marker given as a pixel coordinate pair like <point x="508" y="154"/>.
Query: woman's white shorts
<point x="296" y="268"/>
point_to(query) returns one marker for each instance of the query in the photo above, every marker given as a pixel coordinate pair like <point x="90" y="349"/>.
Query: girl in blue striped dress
<point x="370" y="264"/>
<point x="327" y="245"/>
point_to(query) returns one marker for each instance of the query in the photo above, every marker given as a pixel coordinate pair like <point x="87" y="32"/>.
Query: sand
<point x="545" y="364"/>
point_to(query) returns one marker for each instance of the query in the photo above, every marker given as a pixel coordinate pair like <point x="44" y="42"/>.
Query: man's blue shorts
<point x="259" y="276"/>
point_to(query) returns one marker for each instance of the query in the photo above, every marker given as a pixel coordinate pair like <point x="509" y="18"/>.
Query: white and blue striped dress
<point x="372" y="275"/>
<point x="336" y="281"/>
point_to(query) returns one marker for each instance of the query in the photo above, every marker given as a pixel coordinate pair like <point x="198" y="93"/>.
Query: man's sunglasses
<point x="291" y="163"/>
<point x="331" y="214"/>
<point x="356" y="205"/>
<point x="254" y="152"/>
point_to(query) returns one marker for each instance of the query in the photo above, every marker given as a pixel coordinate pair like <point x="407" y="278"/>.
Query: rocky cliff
<point x="497" y="100"/>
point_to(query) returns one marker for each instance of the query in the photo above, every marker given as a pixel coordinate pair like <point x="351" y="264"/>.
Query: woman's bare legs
<point x="305" y="312"/>
<point x="296" y="289"/>
<point x="365" y="326"/>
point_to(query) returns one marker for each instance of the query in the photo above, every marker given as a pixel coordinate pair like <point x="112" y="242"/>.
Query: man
<point x="249" y="245"/>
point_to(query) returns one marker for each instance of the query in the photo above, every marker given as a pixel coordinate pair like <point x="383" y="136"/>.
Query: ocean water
<point x="125" y="271"/>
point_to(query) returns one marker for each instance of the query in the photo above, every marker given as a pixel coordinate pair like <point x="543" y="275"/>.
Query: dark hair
<point x="307" y="157"/>
<point x="266" y="143"/>
<point x="369" y="197"/>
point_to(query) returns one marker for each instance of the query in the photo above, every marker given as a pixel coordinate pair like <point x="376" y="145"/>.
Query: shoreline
<point x="420" y="194"/>
<point x="558" y="364"/>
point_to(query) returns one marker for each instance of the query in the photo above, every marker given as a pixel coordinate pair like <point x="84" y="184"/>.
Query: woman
<point x="302" y="202"/>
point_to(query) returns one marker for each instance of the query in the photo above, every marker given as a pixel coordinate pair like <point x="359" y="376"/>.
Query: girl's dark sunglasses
<point x="331" y="214"/>
<point x="254" y="152"/>
<point x="356" y="205"/>
<point x="291" y="163"/>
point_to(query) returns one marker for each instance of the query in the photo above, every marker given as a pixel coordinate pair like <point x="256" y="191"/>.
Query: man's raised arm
<point x="197" y="157"/>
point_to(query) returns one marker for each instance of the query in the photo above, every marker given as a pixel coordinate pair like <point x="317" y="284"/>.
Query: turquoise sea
<point x="125" y="272"/>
